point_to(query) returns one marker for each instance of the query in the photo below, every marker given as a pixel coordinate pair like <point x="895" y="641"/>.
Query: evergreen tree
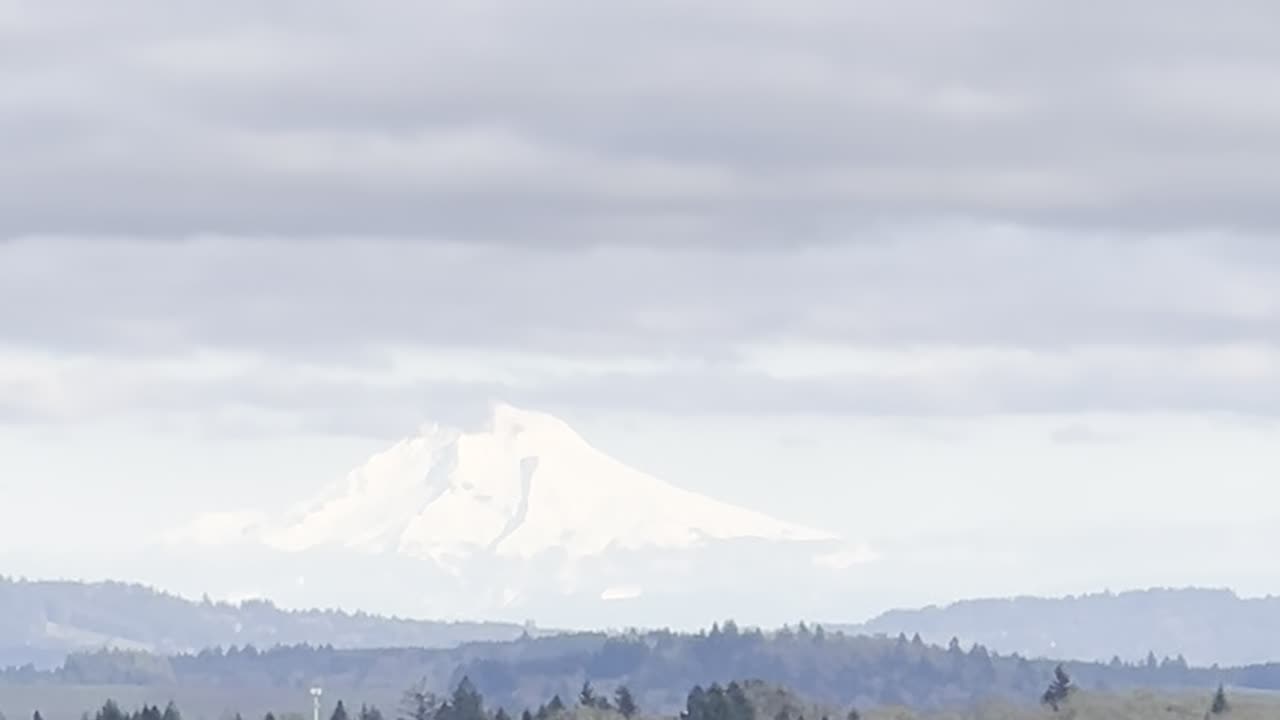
<point x="110" y="711"/>
<point x="693" y="704"/>
<point x="1059" y="690"/>
<point x="418" y="703"/>
<point x="501" y="715"/>
<point x="466" y="702"/>
<point x="269" y="716"/>
<point x="526" y="715"/>
<point x="37" y="716"/>
<point x="556" y="705"/>
<point x="740" y="708"/>
<point x="171" y="712"/>
<point x="370" y="712"/>
<point x="339" y="712"/>
<point x="625" y="702"/>
<point x="1220" y="704"/>
<point x="853" y="714"/>
<point x="587" y="696"/>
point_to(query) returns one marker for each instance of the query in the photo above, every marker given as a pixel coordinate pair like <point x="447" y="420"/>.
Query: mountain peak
<point x="527" y="486"/>
<point x="510" y="421"/>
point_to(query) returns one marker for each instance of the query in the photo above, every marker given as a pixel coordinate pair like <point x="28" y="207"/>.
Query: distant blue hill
<point x="1205" y="626"/>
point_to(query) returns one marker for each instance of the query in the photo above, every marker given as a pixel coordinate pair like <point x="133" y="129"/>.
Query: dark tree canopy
<point x="1220" y="704"/>
<point x="587" y="696"/>
<point x="339" y="712"/>
<point x="1059" y="690"/>
<point x="718" y="703"/>
<point x="625" y="702"/>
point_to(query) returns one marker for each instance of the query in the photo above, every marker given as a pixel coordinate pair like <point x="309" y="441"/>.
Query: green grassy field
<point x="70" y="702"/>
<point x="1084" y="706"/>
<point x="196" y="703"/>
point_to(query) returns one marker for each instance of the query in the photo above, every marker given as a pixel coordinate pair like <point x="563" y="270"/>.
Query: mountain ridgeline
<point x="42" y="622"/>
<point x="658" y="667"/>
<point x="1205" y="626"/>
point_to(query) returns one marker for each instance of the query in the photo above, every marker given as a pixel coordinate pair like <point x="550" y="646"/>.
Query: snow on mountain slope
<point x="525" y="486"/>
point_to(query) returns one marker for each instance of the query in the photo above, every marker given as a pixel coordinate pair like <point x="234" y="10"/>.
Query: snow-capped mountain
<point x="521" y="509"/>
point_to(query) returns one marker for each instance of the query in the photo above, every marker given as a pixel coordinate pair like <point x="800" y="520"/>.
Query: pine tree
<point x="1220" y="704"/>
<point x="501" y="715"/>
<point x="110" y="711"/>
<point x="37" y="716"/>
<point x="418" y="703"/>
<point x="339" y="712"/>
<point x="370" y="712"/>
<point x="466" y="702"/>
<point x="269" y="716"/>
<point x="1059" y="690"/>
<point x="587" y="696"/>
<point x="556" y="705"/>
<point x="693" y="703"/>
<point x="740" y="708"/>
<point x="171" y="712"/>
<point x="526" y="715"/>
<point x="625" y="702"/>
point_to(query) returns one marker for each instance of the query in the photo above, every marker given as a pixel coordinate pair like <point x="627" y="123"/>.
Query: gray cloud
<point x="812" y="206"/>
<point x="642" y="123"/>
<point x="276" y="397"/>
<point x="350" y="301"/>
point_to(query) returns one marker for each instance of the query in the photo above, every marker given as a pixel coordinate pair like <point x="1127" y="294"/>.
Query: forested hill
<point x="1205" y="626"/>
<point x="659" y="667"/>
<point x="42" y="622"/>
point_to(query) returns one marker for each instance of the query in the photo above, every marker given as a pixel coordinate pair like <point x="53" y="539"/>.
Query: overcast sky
<point x="977" y="282"/>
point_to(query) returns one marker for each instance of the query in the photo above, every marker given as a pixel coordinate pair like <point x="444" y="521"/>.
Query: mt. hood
<point x="523" y="516"/>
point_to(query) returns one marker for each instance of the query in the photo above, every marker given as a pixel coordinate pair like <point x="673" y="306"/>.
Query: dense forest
<point x="658" y="667"/>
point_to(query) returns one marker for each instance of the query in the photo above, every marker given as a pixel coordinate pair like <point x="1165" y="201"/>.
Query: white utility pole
<point x="315" y="701"/>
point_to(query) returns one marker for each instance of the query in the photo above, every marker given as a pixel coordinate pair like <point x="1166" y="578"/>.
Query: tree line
<point x="657" y="668"/>
<point x="735" y="700"/>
